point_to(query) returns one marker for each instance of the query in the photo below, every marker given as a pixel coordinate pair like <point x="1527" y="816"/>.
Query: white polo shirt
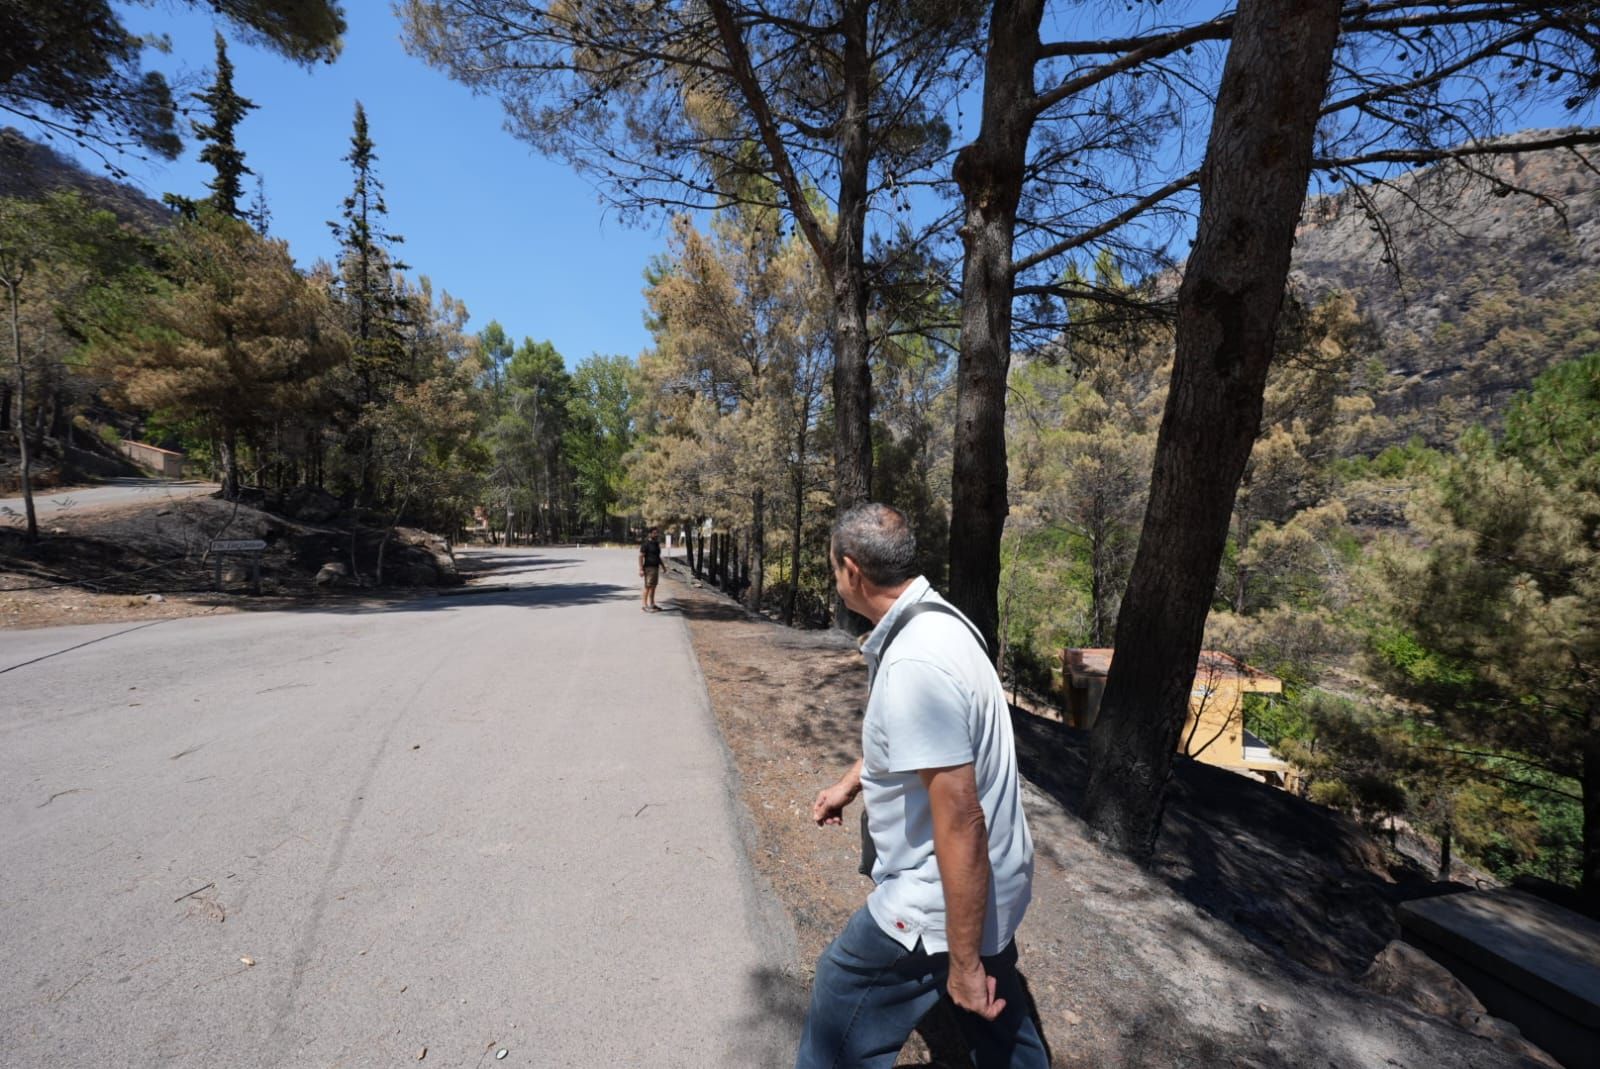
<point x="936" y="701"/>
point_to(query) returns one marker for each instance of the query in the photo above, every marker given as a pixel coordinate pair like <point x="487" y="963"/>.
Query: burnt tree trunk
<point x="228" y="458"/>
<point x="990" y="173"/>
<point x="852" y="379"/>
<point x="60" y="424"/>
<point x="1252" y="186"/>
<point x="791" y="596"/>
<point x="1589" y="882"/>
<point x="24" y="458"/>
<point x="757" y="560"/>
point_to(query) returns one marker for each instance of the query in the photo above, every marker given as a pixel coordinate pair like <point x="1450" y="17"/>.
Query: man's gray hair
<point x="879" y="539"/>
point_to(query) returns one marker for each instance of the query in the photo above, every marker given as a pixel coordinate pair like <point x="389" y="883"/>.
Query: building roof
<point x="151" y="448"/>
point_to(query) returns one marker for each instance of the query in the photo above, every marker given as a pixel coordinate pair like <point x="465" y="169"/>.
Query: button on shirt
<point x="936" y="702"/>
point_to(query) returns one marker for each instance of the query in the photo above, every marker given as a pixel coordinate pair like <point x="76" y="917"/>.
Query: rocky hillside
<point x="29" y="169"/>
<point x="1476" y="279"/>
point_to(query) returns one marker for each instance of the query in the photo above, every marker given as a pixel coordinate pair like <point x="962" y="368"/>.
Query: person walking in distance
<point x="953" y="869"/>
<point x="650" y="568"/>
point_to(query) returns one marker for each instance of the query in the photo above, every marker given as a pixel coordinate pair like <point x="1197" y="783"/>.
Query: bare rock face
<point x="1403" y="972"/>
<point x="332" y="574"/>
<point x="423" y="548"/>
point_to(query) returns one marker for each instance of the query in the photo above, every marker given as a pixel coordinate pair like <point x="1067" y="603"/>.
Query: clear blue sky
<point x="519" y="238"/>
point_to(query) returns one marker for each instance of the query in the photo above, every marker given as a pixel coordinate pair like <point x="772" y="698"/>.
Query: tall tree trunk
<point x="229" y="448"/>
<point x="758" y="549"/>
<point x="1097" y="587"/>
<point x="1252" y="186"/>
<point x="1589" y="884"/>
<point x="852" y="377"/>
<point x="852" y="381"/>
<point x="60" y="425"/>
<point x="990" y="173"/>
<point x="24" y="458"/>
<point x="41" y="424"/>
<point x="792" y="595"/>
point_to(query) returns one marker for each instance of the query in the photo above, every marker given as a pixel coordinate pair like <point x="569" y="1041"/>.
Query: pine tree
<point x="231" y="344"/>
<point x="259" y="214"/>
<point x="366" y="267"/>
<point x="227" y="109"/>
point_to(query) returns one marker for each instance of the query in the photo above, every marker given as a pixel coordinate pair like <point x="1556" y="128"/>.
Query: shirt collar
<point x="915" y="592"/>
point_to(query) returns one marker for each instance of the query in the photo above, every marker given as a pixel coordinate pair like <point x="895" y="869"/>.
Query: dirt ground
<point x="1243" y="943"/>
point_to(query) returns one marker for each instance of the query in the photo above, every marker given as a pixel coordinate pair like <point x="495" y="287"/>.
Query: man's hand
<point x="973" y="991"/>
<point x="830" y="803"/>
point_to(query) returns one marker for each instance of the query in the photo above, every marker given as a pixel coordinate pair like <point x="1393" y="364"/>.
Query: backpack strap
<point x="911" y="612"/>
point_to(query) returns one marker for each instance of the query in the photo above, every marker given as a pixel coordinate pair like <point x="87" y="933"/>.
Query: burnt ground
<point x="148" y="561"/>
<point x="1242" y="943"/>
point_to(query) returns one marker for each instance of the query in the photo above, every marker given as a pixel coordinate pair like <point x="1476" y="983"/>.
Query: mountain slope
<point x="1495" y="276"/>
<point x="29" y="169"/>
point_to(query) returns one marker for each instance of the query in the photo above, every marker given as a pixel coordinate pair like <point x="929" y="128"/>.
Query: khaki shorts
<point x="652" y="575"/>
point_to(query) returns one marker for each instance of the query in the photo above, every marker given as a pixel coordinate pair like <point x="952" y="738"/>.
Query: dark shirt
<point x="651" y="553"/>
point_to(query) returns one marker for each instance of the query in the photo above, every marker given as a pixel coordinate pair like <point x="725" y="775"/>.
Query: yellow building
<point x="1214" y="731"/>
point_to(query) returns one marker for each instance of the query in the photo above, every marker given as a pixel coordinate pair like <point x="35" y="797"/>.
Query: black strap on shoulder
<point x="911" y="612"/>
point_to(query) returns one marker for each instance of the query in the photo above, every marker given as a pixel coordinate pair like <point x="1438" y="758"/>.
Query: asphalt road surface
<point x="458" y="823"/>
<point x="56" y="505"/>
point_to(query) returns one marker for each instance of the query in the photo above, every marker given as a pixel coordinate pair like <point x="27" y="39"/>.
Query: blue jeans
<point x="870" y="992"/>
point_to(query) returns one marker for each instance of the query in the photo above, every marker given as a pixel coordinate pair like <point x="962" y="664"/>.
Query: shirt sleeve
<point x="926" y="717"/>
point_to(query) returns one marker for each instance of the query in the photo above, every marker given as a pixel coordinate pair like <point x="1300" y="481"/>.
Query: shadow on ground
<point x="1294" y="877"/>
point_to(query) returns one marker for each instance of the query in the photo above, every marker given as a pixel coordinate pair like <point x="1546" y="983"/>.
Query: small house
<point x="1214" y="730"/>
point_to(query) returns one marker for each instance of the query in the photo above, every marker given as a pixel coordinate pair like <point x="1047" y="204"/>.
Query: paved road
<point x="55" y="505"/>
<point x="497" y="819"/>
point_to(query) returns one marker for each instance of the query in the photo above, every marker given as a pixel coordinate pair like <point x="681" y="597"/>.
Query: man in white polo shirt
<point x="954" y="860"/>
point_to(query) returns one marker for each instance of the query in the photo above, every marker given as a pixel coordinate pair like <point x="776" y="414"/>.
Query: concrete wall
<point x="164" y="462"/>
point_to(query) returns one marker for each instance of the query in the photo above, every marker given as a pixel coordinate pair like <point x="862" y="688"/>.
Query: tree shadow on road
<point x="528" y="596"/>
<point x="481" y="563"/>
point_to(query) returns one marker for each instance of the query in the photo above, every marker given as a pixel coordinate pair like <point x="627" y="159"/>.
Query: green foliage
<point x="1276" y="719"/>
<point x="1489" y="623"/>
<point x="1348" y="753"/>
<point x="1045" y="603"/>
<point x="226" y="109"/>
<point x="74" y="69"/>
<point x="367" y="288"/>
<point x="599" y="434"/>
<point x="1554" y="430"/>
<point x="1411" y="460"/>
<point x="1421" y="667"/>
